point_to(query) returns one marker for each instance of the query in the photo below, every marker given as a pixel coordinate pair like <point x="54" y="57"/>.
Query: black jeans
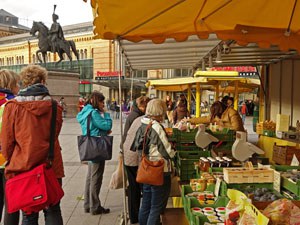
<point x="134" y="194"/>
<point x="52" y="215"/>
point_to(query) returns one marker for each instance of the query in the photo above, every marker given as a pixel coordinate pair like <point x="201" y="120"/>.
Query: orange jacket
<point x="25" y="136"/>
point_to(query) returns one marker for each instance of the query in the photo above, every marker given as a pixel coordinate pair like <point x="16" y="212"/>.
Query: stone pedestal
<point x="63" y="83"/>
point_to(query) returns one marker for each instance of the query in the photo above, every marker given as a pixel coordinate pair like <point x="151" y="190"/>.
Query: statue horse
<point x="44" y="44"/>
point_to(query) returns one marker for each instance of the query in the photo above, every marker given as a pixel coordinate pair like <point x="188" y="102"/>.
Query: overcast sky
<point x="69" y="11"/>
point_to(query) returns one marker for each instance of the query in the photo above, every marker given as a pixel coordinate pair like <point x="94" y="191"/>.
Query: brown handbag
<point x="150" y="172"/>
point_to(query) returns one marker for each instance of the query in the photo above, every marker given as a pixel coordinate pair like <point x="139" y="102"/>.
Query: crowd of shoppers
<point x="31" y="107"/>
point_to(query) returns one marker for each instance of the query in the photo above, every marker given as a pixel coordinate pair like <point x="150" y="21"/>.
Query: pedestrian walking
<point x="244" y="111"/>
<point x="64" y="106"/>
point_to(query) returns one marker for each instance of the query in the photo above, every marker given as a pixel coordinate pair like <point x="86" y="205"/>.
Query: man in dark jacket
<point x="134" y="190"/>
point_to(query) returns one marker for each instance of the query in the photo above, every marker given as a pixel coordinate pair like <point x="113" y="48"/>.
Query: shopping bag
<point x="33" y="190"/>
<point x="150" y="172"/>
<point x="116" y="181"/>
<point x="95" y="148"/>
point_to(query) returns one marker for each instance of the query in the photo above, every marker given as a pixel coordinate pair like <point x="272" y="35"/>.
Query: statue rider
<point x="56" y="34"/>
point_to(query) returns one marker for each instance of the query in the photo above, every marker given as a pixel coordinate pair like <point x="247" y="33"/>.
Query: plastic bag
<point x="283" y="211"/>
<point x="116" y="181"/>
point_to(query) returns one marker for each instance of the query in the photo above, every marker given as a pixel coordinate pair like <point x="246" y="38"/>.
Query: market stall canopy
<point x="182" y="84"/>
<point x="175" y="84"/>
<point x="169" y="55"/>
<point x="263" y="22"/>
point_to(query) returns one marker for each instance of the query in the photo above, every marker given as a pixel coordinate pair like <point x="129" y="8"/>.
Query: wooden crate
<point x="283" y="155"/>
<point x="245" y="175"/>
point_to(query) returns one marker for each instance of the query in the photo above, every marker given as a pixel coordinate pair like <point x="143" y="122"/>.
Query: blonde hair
<point x="33" y="74"/>
<point x="8" y="79"/>
<point x="156" y="108"/>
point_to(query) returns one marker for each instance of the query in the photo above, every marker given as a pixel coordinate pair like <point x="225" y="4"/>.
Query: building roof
<point x="5" y="13"/>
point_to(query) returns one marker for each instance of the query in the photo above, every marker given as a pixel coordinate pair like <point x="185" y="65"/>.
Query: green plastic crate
<point x="185" y="137"/>
<point x="186" y="175"/>
<point x="187" y="147"/>
<point x="186" y="159"/>
<point x="200" y="220"/>
<point x="224" y="135"/>
<point x="185" y="164"/>
<point x="286" y="183"/>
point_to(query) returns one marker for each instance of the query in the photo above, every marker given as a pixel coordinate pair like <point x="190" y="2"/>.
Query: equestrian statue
<point x="53" y="40"/>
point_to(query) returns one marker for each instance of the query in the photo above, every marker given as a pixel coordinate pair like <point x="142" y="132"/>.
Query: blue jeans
<point x="154" y="202"/>
<point x="52" y="217"/>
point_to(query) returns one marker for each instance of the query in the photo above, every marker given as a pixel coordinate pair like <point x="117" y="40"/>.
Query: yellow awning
<point x="217" y="74"/>
<point x="181" y="84"/>
<point x="264" y="22"/>
<point x="175" y="84"/>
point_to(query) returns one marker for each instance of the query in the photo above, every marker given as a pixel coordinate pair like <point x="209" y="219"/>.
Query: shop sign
<point x="84" y="82"/>
<point x="108" y="75"/>
<point x="244" y="71"/>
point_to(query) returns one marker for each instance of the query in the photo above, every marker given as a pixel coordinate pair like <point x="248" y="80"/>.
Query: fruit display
<point x="293" y="175"/>
<point x="269" y="125"/>
<point x="263" y="195"/>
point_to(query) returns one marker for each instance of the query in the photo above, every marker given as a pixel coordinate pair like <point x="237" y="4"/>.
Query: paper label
<point x="295" y="161"/>
<point x="282" y="122"/>
<point x="217" y="187"/>
<point x="277" y="179"/>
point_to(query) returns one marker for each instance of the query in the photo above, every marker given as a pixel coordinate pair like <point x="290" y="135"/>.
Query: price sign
<point x="277" y="180"/>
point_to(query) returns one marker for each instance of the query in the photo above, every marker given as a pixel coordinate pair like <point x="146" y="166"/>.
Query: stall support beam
<point x="217" y="92"/>
<point x="189" y="97"/>
<point x="236" y="95"/>
<point x="198" y="100"/>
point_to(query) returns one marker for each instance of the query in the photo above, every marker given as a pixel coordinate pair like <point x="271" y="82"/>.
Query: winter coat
<point x="232" y="119"/>
<point x="25" y="142"/>
<point x="131" y="158"/>
<point x="135" y="113"/>
<point x="179" y="113"/>
<point x="5" y="95"/>
<point x="99" y="124"/>
<point x="157" y="145"/>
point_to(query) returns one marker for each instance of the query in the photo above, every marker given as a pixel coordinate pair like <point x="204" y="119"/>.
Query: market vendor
<point x="223" y="116"/>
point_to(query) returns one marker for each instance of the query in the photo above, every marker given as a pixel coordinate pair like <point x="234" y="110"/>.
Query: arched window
<point x="22" y="59"/>
<point x="81" y="54"/>
<point x="49" y="57"/>
<point x="85" y="53"/>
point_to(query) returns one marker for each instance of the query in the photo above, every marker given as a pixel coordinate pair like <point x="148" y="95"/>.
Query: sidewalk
<point x="75" y="173"/>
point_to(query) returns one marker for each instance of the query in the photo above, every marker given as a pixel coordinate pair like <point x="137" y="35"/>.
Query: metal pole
<point x="131" y="88"/>
<point x="120" y="62"/>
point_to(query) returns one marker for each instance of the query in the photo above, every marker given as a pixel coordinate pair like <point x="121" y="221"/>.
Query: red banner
<point x="108" y="73"/>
